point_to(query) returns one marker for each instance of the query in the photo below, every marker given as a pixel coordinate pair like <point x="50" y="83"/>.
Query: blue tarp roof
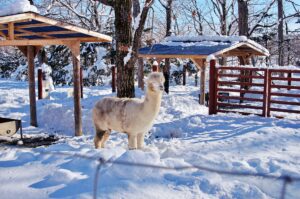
<point x="35" y="26"/>
<point x="160" y="49"/>
<point x="202" y="46"/>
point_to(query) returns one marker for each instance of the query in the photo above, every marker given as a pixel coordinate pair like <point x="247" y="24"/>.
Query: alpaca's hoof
<point x="132" y="148"/>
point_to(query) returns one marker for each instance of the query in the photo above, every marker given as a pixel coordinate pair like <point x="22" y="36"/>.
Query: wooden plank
<point x="240" y="98"/>
<point x="240" y="68"/>
<point x="29" y="26"/>
<point x="31" y="79"/>
<point x="284" y="71"/>
<point x="44" y="33"/>
<point x="240" y="76"/>
<point x="239" y="83"/>
<point x="284" y="110"/>
<point x="285" y="102"/>
<point x="238" y="106"/>
<point x="11" y="32"/>
<point x="16" y="18"/>
<point x="45" y="42"/>
<point x="240" y="91"/>
<point x="285" y="86"/>
<point x="238" y="112"/>
<point x="75" y="48"/>
<point x="29" y="33"/>
<point x="285" y="78"/>
<point x="286" y="95"/>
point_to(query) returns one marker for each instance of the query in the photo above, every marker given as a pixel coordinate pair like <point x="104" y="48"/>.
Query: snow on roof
<point x="201" y="38"/>
<point x="11" y="7"/>
<point x="201" y="45"/>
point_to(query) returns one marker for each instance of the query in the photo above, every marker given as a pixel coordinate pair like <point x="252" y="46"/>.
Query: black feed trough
<point x="8" y="127"/>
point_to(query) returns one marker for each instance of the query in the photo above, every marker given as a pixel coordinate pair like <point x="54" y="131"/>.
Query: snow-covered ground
<point x="183" y="134"/>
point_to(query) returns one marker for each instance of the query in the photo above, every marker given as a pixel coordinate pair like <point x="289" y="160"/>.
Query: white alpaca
<point x="131" y="116"/>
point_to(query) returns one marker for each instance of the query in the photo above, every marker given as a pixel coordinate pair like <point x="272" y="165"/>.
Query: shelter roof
<point x="203" y="46"/>
<point x="31" y="28"/>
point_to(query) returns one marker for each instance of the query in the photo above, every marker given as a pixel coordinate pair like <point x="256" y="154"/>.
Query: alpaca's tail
<point x="100" y="138"/>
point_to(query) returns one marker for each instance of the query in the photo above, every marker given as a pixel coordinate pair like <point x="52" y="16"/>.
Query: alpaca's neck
<point x="152" y="103"/>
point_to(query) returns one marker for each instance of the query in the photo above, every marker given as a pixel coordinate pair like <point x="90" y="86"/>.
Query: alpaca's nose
<point x="161" y="87"/>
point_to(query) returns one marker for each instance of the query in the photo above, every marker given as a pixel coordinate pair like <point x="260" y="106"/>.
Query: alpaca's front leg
<point x="140" y="140"/>
<point x="132" y="142"/>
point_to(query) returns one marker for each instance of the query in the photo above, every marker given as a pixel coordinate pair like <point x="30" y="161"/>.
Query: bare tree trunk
<point x="243" y="17"/>
<point x="280" y="33"/>
<point x="141" y="73"/>
<point x="125" y="72"/>
<point x="127" y="45"/>
<point x="166" y="69"/>
<point x="243" y="31"/>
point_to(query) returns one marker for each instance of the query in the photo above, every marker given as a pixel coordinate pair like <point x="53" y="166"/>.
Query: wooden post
<point x="75" y="48"/>
<point x="32" y="96"/>
<point x="81" y="83"/>
<point x="113" y="79"/>
<point x="40" y="84"/>
<point x="269" y="85"/>
<point x="184" y="75"/>
<point x="202" y="83"/>
<point x="212" y="88"/>
<point x="266" y="93"/>
<point x="289" y="80"/>
<point x="200" y="63"/>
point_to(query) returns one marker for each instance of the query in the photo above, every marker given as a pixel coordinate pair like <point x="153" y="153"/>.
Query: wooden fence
<point x="252" y="90"/>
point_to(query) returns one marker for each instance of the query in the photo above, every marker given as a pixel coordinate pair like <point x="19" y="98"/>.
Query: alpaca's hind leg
<point x="99" y="137"/>
<point x="140" y="140"/>
<point x="132" y="142"/>
<point x="105" y="138"/>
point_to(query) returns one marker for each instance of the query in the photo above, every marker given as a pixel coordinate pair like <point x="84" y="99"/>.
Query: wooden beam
<point x="30" y="33"/>
<point x="16" y="18"/>
<point x="28" y="26"/>
<point x="11" y="32"/>
<point x="200" y="63"/>
<point x="45" y="42"/>
<point x="53" y="22"/>
<point x="45" y="33"/>
<point x="75" y="48"/>
<point x="31" y="79"/>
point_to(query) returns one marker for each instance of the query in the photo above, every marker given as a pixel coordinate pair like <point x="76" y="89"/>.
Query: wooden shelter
<point x="30" y="32"/>
<point x="199" y="48"/>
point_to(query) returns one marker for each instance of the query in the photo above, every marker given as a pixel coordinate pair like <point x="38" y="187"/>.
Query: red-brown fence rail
<point x="250" y="90"/>
<point x="282" y="84"/>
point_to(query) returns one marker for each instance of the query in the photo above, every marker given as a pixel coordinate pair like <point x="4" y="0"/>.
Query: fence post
<point x="113" y="79"/>
<point x="184" y="75"/>
<point x="81" y="82"/>
<point x="266" y="93"/>
<point x="269" y="93"/>
<point x="40" y="84"/>
<point x="289" y="80"/>
<point x="212" y="88"/>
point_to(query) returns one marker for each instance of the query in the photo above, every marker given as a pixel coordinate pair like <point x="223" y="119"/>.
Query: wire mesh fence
<point x="285" y="179"/>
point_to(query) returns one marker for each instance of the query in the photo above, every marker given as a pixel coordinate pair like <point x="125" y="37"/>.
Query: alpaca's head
<point x="155" y="82"/>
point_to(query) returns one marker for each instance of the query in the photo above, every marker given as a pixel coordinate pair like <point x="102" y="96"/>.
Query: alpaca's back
<point x="112" y="113"/>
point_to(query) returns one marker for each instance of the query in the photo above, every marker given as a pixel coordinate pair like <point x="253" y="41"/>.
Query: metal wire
<point x="286" y="179"/>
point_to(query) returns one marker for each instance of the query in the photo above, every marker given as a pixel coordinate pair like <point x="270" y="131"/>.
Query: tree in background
<point x="167" y="4"/>
<point x="128" y="33"/>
